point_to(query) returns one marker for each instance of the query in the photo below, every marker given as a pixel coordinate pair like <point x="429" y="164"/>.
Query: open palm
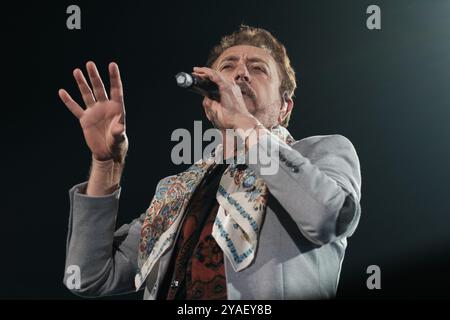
<point x="103" y="119"/>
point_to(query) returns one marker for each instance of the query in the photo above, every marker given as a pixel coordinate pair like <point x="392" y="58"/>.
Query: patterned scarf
<point x="242" y="197"/>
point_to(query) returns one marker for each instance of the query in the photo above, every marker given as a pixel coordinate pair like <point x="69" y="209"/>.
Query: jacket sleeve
<point x="317" y="181"/>
<point x="99" y="260"/>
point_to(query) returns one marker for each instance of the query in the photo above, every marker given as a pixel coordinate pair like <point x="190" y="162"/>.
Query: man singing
<point x="216" y="230"/>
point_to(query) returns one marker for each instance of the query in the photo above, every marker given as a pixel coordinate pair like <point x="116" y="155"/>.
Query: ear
<point x="286" y="107"/>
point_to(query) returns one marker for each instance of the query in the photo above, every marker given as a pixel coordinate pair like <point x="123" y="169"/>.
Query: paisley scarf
<point x="242" y="197"/>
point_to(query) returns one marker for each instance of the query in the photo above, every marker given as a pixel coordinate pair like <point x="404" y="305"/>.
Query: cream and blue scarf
<point x="242" y="197"/>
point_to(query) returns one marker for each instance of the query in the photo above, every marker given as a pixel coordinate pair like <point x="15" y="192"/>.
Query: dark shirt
<point x="196" y="270"/>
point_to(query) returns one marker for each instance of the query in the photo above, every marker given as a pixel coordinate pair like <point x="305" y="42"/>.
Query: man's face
<point x="256" y="72"/>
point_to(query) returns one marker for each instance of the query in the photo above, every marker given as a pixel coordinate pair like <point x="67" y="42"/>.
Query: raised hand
<point x="103" y="119"/>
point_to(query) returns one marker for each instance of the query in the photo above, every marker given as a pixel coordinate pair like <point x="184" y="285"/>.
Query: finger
<point x="211" y="105"/>
<point x="96" y="81"/>
<point x="213" y="115"/>
<point x="208" y="113"/>
<point x="117" y="127"/>
<point x="211" y="108"/>
<point x="207" y="102"/>
<point x="115" y="82"/>
<point x="212" y="75"/>
<point x="86" y="92"/>
<point x="122" y="118"/>
<point x="70" y="103"/>
<point x="202" y="71"/>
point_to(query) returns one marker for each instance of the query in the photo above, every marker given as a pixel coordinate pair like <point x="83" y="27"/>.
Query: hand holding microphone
<point x="223" y="103"/>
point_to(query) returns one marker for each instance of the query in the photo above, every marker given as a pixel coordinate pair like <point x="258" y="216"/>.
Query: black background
<point x="386" y="90"/>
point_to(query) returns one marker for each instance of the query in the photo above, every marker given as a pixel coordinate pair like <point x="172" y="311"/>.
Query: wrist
<point x="104" y="177"/>
<point x="245" y="122"/>
<point x="116" y="161"/>
<point x="102" y="164"/>
<point x="249" y="130"/>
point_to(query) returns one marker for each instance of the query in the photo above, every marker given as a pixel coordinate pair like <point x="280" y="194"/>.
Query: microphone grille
<point x="184" y="80"/>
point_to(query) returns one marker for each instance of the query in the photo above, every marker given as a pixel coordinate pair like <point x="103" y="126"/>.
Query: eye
<point x="227" y="66"/>
<point x="259" y="68"/>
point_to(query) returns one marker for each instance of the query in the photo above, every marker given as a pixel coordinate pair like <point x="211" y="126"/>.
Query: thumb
<point x="117" y="129"/>
<point x="122" y="117"/>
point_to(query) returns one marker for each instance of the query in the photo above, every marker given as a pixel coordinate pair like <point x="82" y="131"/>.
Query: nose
<point x="242" y="74"/>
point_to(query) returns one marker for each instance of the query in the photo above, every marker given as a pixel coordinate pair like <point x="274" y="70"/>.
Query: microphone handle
<point x="206" y="88"/>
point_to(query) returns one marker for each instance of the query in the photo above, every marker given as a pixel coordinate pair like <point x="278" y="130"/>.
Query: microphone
<point x="205" y="87"/>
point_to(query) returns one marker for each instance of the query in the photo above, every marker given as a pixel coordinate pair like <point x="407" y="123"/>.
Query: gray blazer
<point x="312" y="209"/>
